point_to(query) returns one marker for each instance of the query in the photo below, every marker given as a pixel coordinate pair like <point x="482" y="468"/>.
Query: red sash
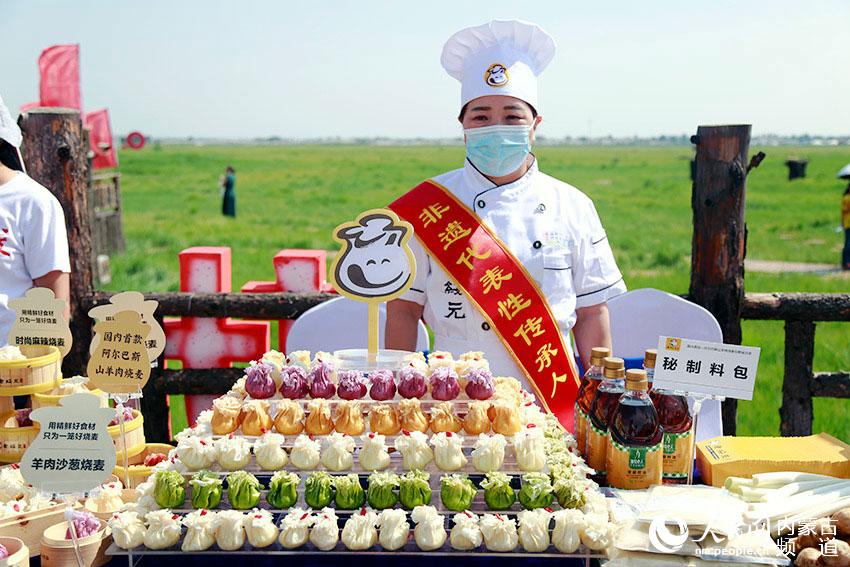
<point x="500" y="287"/>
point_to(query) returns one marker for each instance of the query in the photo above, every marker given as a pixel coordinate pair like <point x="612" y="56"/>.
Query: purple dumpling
<point x="411" y="383"/>
<point x="321" y="385"/>
<point x="383" y="385"/>
<point x="479" y="385"/>
<point x="444" y="384"/>
<point x="259" y="383"/>
<point x="352" y="385"/>
<point x="294" y="383"/>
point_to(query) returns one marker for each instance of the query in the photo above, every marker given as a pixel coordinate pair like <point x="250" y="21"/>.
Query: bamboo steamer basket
<point x="40" y="372"/>
<point x="29" y="526"/>
<point x="19" y="553"/>
<point x="47" y="399"/>
<point x="135" y="433"/>
<point x="139" y="473"/>
<point x="56" y="551"/>
<point x="15" y="440"/>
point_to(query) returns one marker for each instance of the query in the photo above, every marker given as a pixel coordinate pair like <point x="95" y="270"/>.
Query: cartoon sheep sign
<point x="375" y="263"/>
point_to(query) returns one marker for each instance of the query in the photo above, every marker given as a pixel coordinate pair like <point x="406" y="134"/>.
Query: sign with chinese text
<point x="73" y="451"/>
<point x="40" y="320"/>
<point x="132" y="301"/>
<point x="699" y="367"/>
<point x="120" y="364"/>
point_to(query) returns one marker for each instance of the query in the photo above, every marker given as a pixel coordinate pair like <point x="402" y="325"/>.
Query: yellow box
<point x="722" y="457"/>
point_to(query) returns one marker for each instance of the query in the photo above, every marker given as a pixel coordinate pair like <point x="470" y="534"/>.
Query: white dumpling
<point x="325" y="532"/>
<point x="163" y="529"/>
<point x="200" y="530"/>
<point x="499" y="532"/>
<point x="268" y="450"/>
<point x="414" y="449"/>
<point x="128" y="530"/>
<point x="489" y="452"/>
<point x="229" y="530"/>
<point x="430" y="531"/>
<point x="534" y="529"/>
<point x="295" y="528"/>
<point x="530" y="449"/>
<point x="338" y="453"/>
<point x="394" y="529"/>
<point x="107" y="498"/>
<point x="305" y="453"/>
<point x="448" y="451"/>
<point x="359" y="532"/>
<point x="565" y="536"/>
<point x="466" y="534"/>
<point x="596" y="532"/>
<point x="196" y="452"/>
<point x="260" y="528"/>
<point x="373" y="454"/>
<point x="234" y="453"/>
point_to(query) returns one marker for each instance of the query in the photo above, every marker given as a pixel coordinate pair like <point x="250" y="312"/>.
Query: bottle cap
<point x="649" y="358"/>
<point x="636" y="379"/>
<point x="614" y="367"/>
<point x="597" y="354"/>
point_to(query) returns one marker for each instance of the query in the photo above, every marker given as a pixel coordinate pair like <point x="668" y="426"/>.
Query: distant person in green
<point x="845" y="222"/>
<point x="228" y="192"/>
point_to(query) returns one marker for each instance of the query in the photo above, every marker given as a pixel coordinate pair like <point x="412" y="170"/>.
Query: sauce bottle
<point x="676" y="419"/>
<point x="589" y="385"/>
<point x="649" y="365"/>
<point x="635" y="436"/>
<point x="601" y="410"/>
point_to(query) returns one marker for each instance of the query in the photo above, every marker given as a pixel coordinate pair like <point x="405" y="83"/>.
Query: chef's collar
<point x="479" y="183"/>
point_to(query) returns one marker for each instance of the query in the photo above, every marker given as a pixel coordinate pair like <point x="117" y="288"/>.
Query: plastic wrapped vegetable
<point x="456" y="492"/>
<point x="571" y="492"/>
<point x="414" y="489"/>
<point x="169" y="489"/>
<point x="259" y="383"/>
<point x="243" y="490"/>
<point x="293" y="382"/>
<point x="382" y="490"/>
<point x="536" y="491"/>
<point x="349" y="494"/>
<point x="479" y="384"/>
<point x="444" y="384"/>
<point x="498" y="493"/>
<point x="283" y="490"/>
<point x="318" y="490"/>
<point x="411" y="383"/>
<point x="206" y="490"/>
<point x="321" y="380"/>
<point x="383" y="385"/>
<point x="352" y="385"/>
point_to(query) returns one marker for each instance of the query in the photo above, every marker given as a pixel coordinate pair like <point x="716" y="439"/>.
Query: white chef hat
<point x="9" y="130"/>
<point x="501" y="57"/>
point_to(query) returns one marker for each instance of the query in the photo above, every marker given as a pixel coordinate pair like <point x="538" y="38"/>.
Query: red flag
<point x="27" y="106"/>
<point x="100" y="139"/>
<point x="59" y="66"/>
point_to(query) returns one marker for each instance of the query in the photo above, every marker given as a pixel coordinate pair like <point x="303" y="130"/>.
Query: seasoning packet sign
<point x="699" y="367"/>
<point x="73" y="451"/>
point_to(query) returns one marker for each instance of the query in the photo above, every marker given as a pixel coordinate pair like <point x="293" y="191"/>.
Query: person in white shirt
<point x="33" y="239"/>
<point x="551" y="227"/>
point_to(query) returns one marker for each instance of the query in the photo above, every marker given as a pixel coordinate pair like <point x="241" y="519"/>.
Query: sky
<point x="243" y="69"/>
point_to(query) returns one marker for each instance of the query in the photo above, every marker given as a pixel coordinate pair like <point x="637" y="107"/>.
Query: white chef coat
<point x="33" y="241"/>
<point x="551" y="227"/>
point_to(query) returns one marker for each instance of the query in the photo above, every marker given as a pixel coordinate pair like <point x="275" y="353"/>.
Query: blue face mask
<point x="498" y="150"/>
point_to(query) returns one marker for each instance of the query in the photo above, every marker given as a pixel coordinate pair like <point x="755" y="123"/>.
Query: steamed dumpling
<point x="305" y="453"/>
<point x="196" y="453"/>
<point x="325" y="532"/>
<point x="227" y="413"/>
<point x="448" y="451"/>
<point x="359" y="532"/>
<point x="234" y="453"/>
<point x="163" y="529"/>
<point x="128" y="530"/>
<point x="466" y="535"/>
<point x="268" y="450"/>
<point x="534" y="529"/>
<point x="477" y="421"/>
<point x="230" y="530"/>
<point x="499" y="532"/>
<point x="319" y="419"/>
<point x="443" y="418"/>
<point x="260" y="528"/>
<point x="394" y="529"/>
<point x="373" y="454"/>
<point x="506" y="418"/>
<point x="289" y="419"/>
<point x="338" y="453"/>
<point x="414" y="449"/>
<point x="349" y="418"/>
<point x="430" y="530"/>
<point x="489" y="453"/>
<point x="412" y="417"/>
<point x="383" y="419"/>
<point x="200" y="530"/>
<point x="295" y="528"/>
<point x="565" y="536"/>
<point x="256" y="419"/>
<point x="530" y="448"/>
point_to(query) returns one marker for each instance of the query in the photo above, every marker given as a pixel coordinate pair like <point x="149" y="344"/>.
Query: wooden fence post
<point x="155" y="402"/>
<point x="719" y="240"/>
<point x="54" y="152"/>
<point x="796" y="413"/>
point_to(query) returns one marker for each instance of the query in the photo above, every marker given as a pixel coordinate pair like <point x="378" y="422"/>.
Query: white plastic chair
<point x="640" y="316"/>
<point x="340" y="323"/>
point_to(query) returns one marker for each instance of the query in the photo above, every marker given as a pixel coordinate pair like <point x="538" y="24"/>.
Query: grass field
<point x="292" y="197"/>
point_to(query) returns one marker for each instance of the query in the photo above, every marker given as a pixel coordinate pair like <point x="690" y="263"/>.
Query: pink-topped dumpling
<point x="259" y="383"/>
<point x="412" y="383"/>
<point x="321" y="382"/>
<point x="85" y="524"/>
<point x="126" y="415"/>
<point x="383" y="385"/>
<point x="293" y="382"/>
<point x="352" y="385"/>
<point x="444" y="384"/>
<point x="4" y="553"/>
<point x="479" y="384"/>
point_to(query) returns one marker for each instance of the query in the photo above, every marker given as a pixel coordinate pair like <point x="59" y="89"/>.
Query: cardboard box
<point x="722" y="457"/>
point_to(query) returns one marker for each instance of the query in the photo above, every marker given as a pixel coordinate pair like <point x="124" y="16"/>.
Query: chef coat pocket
<point x="557" y="273"/>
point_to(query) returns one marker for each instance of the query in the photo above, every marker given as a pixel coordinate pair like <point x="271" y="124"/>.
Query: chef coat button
<point x="485" y="325"/>
<point x="481" y="203"/>
<point x="537" y="245"/>
<point x="541" y="207"/>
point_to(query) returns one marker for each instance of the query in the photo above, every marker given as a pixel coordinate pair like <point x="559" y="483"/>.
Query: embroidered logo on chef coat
<point x="556" y="240"/>
<point x="496" y="75"/>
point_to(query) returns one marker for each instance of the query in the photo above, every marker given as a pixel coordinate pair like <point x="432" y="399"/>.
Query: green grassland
<point x="293" y="196"/>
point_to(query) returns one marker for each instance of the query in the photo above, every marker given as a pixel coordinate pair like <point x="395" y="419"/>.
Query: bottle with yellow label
<point x="601" y="410"/>
<point x="634" y="457"/>
<point x="590" y="383"/>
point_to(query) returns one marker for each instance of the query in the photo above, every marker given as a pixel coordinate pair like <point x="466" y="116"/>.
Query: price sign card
<point x="132" y="301"/>
<point x="120" y="364"/>
<point x="40" y="320"/>
<point x="73" y="451"/>
<point x="700" y="367"/>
